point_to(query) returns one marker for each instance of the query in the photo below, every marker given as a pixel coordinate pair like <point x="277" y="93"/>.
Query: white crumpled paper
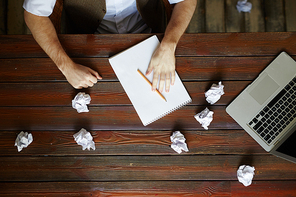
<point x="243" y="6"/>
<point x="84" y="139"/>
<point x="214" y="93"/>
<point x="245" y="174"/>
<point x="178" y="142"/>
<point x="23" y="140"/>
<point x="204" y="118"/>
<point x="80" y="102"/>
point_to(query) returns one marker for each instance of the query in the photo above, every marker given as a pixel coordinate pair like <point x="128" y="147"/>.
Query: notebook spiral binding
<point x="168" y="112"/>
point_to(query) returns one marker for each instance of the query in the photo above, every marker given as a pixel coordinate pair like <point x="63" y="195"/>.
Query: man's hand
<point x="45" y="34"/>
<point x="163" y="60"/>
<point x="163" y="66"/>
<point x="80" y="76"/>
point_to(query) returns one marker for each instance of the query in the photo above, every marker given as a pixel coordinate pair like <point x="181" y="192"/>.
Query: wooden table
<point x="130" y="159"/>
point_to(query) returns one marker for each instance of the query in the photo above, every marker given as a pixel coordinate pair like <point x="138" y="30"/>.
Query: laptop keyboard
<point x="278" y="113"/>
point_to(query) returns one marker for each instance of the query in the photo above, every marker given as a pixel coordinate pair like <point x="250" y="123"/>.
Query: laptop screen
<point x="289" y="146"/>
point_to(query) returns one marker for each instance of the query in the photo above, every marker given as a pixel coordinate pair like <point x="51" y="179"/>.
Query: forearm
<point x="180" y="19"/>
<point x="45" y="35"/>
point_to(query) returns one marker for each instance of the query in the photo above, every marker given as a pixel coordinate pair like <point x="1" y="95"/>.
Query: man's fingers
<point x="154" y="82"/>
<point x="81" y="86"/>
<point x="167" y="83"/>
<point x="164" y="80"/>
<point x="96" y="74"/>
<point x="92" y="79"/>
<point x="88" y="83"/>
<point x="150" y="68"/>
<point x="161" y="82"/>
<point x="173" y="78"/>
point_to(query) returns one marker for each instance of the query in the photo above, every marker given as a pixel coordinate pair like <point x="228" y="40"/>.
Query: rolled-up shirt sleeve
<point x="39" y="7"/>
<point x="175" y="1"/>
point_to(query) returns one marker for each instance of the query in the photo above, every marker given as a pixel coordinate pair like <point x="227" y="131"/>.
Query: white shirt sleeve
<point x="39" y="7"/>
<point x="175" y="1"/>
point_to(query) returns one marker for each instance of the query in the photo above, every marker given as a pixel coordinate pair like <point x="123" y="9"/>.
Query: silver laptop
<point x="266" y="109"/>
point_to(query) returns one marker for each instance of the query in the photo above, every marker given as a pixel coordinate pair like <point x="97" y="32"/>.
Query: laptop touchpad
<point x="263" y="89"/>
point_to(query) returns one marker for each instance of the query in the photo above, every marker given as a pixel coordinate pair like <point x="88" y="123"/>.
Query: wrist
<point x="64" y="64"/>
<point x="167" y="44"/>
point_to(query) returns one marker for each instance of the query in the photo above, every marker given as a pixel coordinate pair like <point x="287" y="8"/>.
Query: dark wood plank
<point x="3" y="17"/>
<point x="123" y="118"/>
<point x="215" y="16"/>
<point x="254" y="21"/>
<point x="132" y="143"/>
<point x="208" y="44"/>
<point x="15" y="18"/>
<point x="290" y="7"/>
<point x="197" y="23"/>
<point x="104" y="93"/>
<point x="61" y="94"/>
<point x="264" y="188"/>
<point x="235" y="21"/>
<point x="148" y="168"/>
<point x="150" y="188"/>
<point x="274" y="15"/>
<point x="237" y="44"/>
<point x="75" y="45"/>
<point x="188" y="68"/>
<point x="136" y="189"/>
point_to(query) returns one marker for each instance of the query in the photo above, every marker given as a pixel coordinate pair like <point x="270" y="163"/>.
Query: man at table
<point x="120" y="17"/>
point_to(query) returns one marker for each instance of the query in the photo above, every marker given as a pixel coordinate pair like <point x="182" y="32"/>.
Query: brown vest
<point x="84" y="17"/>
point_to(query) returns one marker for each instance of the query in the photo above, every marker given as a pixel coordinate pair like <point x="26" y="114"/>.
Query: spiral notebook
<point x="148" y="104"/>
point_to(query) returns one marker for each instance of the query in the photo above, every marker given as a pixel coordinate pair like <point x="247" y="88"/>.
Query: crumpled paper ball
<point x="214" y="93"/>
<point x="84" y="139"/>
<point x="243" y="6"/>
<point x="178" y="142"/>
<point x="205" y="118"/>
<point x="23" y="140"/>
<point x="245" y="174"/>
<point x="80" y="102"/>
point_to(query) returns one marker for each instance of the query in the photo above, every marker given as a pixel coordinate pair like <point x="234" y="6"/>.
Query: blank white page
<point x="148" y="104"/>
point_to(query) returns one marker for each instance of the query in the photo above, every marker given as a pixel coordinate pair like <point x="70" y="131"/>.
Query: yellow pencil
<point x="151" y="84"/>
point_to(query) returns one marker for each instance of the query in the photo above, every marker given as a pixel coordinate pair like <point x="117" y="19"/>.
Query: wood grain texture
<point x="99" y="118"/>
<point x="197" y="23"/>
<point x="130" y="159"/>
<point x="215" y="16"/>
<point x="200" y="45"/>
<point x="150" y="188"/>
<point x="254" y="21"/>
<point x="274" y="15"/>
<point x="3" y="17"/>
<point x="136" y="189"/>
<point x="102" y="94"/>
<point x="290" y="7"/>
<point x="235" y="21"/>
<point x="264" y="188"/>
<point x="61" y="143"/>
<point x="188" y="68"/>
<point x="140" y="168"/>
<point x="15" y="18"/>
